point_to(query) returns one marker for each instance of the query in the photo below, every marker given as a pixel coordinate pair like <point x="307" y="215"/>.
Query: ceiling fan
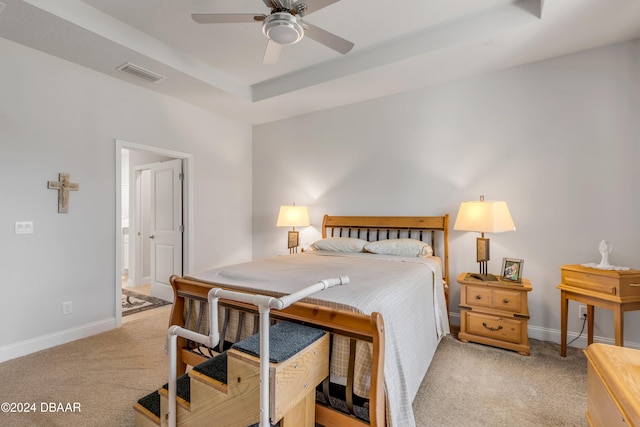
<point x="283" y="26"/>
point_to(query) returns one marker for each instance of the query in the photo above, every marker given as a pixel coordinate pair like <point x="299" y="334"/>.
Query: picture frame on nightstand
<point x="512" y="270"/>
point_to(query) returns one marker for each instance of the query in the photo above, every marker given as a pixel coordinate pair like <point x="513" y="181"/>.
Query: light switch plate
<point x="24" y="227"/>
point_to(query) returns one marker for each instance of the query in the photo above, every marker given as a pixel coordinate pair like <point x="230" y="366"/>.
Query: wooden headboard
<point x="389" y="227"/>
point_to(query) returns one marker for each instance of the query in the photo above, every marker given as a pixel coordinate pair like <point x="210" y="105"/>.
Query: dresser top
<point x="601" y="272"/>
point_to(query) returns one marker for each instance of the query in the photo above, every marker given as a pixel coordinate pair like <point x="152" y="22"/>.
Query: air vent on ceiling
<point x="136" y="70"/>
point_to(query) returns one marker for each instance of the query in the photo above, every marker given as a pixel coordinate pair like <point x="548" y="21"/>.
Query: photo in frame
<point x="512" y="270"/>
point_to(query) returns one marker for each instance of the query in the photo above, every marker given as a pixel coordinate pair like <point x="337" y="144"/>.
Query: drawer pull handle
<point x="490" y="328"/>
<point x="506" y="300"/>
<point x="635" y="285"/>
<point x="478" y="297"/>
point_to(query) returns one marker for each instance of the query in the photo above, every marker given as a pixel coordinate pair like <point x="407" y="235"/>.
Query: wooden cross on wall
<point x="63" y="186"/>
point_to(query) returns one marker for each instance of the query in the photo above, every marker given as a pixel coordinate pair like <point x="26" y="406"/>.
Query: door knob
<point x="152" y="237"/>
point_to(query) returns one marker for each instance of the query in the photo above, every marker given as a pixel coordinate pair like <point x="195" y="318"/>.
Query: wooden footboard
<point x="355" y="326"/>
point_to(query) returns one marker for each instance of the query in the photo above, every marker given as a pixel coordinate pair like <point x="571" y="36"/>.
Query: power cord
<point x="584" y="322"/>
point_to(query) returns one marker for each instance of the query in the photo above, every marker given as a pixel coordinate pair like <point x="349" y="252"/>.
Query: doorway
<point x="158" y="224"/>
<point x="153" y="211"/>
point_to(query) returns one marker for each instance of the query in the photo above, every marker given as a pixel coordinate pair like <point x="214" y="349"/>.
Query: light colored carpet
<point x="106" y="374"/>
<point x="467" y="384"/>
<point x="475" y="385"/>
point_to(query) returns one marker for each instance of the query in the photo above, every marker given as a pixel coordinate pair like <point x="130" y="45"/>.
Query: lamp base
<point x="485" y="277"/>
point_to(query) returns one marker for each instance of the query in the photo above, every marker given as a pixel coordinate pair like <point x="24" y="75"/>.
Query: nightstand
<point x="495" y="313"/>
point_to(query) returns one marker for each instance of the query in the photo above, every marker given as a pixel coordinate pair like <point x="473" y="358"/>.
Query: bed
<point x="385" y="325"/>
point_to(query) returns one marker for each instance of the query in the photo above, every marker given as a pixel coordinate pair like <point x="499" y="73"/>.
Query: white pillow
<point x="400" y="247"/>
<point x="340" y="244"/>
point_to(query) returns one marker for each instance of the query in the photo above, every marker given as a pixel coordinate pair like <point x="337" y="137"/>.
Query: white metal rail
<point x="265" y="304"/>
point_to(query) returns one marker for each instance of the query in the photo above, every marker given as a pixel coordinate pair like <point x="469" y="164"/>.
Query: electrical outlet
<point x="582" y="311"/>
<point x="67" y="308"/>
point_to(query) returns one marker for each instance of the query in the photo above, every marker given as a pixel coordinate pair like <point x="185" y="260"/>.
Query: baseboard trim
<point x="44" y="342"/>
<point x="553" y="335"/>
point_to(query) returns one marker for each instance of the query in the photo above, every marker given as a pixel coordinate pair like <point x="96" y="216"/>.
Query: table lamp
<point x="293" y="216"/>
<point x="484" y="217"/>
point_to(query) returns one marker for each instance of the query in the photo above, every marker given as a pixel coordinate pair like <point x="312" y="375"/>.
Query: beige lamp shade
<point x="293" y="216"/>
<point x="484" y="217"/>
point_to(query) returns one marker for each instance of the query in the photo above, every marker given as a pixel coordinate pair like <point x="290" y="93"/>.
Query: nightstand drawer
<point x="505" y="299"/>
<point x="501" y="299"/>
<point x="478" y="296"/>
<point x="499" y="328"/>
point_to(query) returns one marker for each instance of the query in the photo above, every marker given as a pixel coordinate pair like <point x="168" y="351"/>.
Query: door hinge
<point x="181" y="228"/>
<point x="181" y="176"/>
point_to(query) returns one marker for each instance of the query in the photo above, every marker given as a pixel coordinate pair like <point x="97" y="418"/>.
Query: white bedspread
<point x="408" y="292"/>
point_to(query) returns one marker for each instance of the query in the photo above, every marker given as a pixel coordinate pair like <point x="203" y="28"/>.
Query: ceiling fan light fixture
<point x="282" y="28"/>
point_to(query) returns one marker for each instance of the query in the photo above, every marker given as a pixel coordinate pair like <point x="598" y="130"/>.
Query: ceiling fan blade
<point x="313" y="5"/>
<point x="272" y="53"/>
<point x="225" y="18"/>
<point x="274" y="4"/>
<point x="328" y="39"/>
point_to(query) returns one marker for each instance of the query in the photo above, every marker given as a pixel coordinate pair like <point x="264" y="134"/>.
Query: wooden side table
<point x="494" y="313"/>
<point x="616" y="290"/>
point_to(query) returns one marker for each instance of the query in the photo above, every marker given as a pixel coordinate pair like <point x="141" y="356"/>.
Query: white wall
<point x="558" y="140"/>
<point x="59" y="117"/>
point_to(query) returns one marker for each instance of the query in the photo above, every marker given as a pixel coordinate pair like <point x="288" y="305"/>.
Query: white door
<point x="166" y="226"/>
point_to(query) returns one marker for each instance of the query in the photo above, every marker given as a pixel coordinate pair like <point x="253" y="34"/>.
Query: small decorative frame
<point x="512" y="269"/>
<point x="293" y="239"/>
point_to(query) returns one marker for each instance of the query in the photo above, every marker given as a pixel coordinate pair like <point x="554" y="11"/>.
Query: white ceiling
<point x="399" y="45"/>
